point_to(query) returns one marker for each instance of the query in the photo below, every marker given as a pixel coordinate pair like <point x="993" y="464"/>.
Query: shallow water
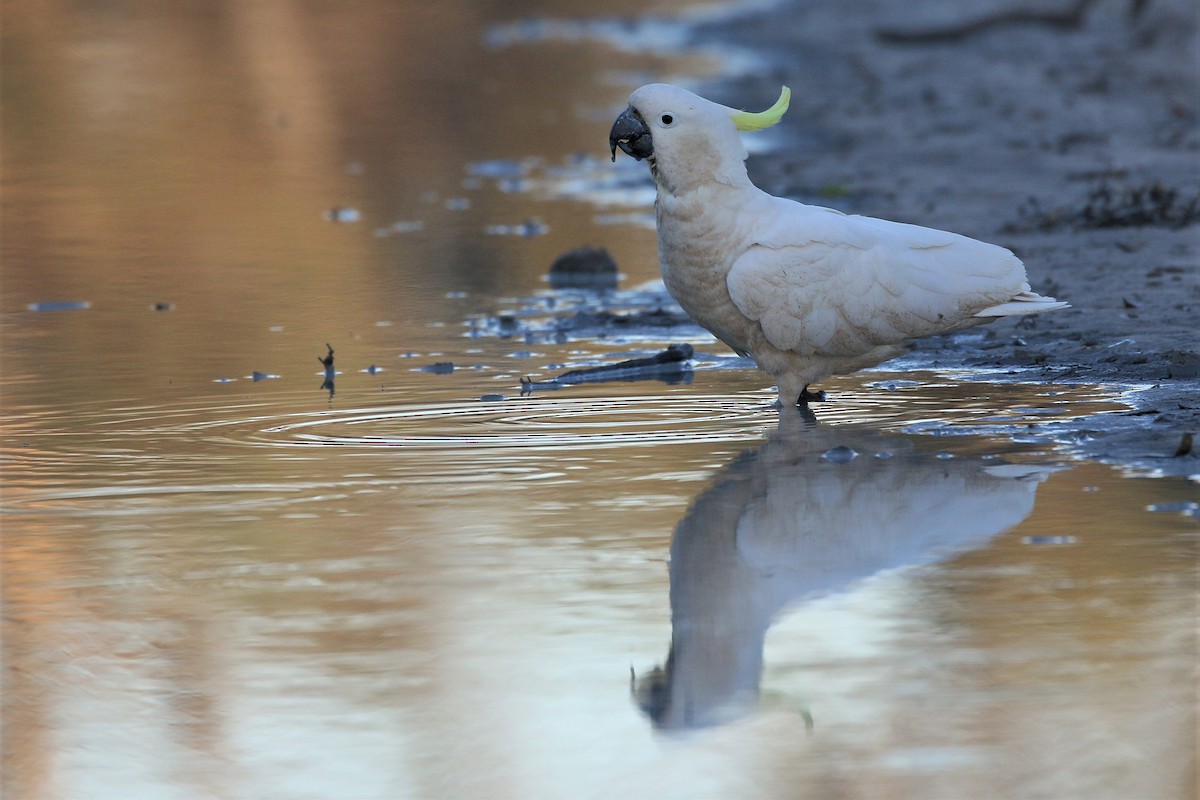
<point x="222" y="579"/>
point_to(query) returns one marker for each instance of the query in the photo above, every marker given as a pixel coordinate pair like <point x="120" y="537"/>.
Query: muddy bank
<point x="1065" y="132"/>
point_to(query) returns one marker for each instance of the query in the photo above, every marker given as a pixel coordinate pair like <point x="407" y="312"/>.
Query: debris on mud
<point x="1151" y="204"/>
<point x="1070" y="18"/>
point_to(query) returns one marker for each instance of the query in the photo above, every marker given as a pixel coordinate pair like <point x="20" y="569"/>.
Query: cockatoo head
<point x="683" y="135"/>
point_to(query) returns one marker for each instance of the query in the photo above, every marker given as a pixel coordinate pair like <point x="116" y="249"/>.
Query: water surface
<point x="221" y="579"/>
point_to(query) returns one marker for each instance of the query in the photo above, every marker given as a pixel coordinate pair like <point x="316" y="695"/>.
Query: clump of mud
<point x="1151" y="204"/>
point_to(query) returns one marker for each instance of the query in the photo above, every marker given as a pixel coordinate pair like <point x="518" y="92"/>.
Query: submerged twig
<point x="667" y="364"/>
<point x="327" y="360"/>
<point x="330" y="372"/>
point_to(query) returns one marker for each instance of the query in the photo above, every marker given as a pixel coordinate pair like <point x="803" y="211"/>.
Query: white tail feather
<point x="1022" y="304"/>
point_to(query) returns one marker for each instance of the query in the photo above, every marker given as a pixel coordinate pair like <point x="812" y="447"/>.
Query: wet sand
<point x="1045" y="132"/>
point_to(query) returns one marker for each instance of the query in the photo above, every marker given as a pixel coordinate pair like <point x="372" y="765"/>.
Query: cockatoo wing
<point x="821" y="282"/>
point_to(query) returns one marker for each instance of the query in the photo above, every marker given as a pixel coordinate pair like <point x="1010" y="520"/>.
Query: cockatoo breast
<point x="700" y="234"/>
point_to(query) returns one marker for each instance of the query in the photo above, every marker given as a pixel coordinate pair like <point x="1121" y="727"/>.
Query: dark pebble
<point x="440" y="368"/>
<point x="840" y="454"/>
<point x="584" y="268"/>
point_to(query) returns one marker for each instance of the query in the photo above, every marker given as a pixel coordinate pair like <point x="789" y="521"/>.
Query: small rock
<point x="840" y="454"/>
<point x="584" y="268"/>
<point x="343" y="214"/>
<point x="507" y="325"/>
<point x="440" y="368"/>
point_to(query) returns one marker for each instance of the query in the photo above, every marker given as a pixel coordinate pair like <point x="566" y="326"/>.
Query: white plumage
<point x="808" y="292"/>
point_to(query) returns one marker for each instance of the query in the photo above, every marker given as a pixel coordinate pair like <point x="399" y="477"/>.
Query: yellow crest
<point x="746" y="121"/>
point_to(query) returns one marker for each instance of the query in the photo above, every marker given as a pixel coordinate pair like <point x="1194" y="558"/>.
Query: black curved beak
<point x="630" y="134"/>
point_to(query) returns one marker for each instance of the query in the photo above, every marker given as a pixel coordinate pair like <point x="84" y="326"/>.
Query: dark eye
<point x="667" y="119"/>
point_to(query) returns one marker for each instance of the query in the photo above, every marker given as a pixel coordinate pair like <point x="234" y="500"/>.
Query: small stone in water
<point x="1049" y="540"/>
<point x="530" y="227"/>
<point x="440" y="368"/>
<point x="492" y="398"/>
<point x="342" y="214"/>
<point x="60" y="305"/>
<point x="497" y="168"/>
<point x="584" y="268"/>
<point x="1185" y="507"/>
<point x="840" y="454"/>
<point x="508" y="325"/>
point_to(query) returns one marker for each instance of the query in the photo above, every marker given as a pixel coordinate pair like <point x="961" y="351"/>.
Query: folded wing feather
<point x="822" y="282"/>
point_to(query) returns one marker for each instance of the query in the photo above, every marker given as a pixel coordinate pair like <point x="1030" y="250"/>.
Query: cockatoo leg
<point x="793" y="389"/>
<point x="810" y="397"/>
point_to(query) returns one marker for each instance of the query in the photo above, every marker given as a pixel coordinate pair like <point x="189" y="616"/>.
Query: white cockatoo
<point x="805" y="291"/>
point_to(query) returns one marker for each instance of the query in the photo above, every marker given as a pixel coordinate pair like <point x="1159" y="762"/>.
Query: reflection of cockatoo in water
<point x="782" y="523"/>
<point x="807" y="292"/>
